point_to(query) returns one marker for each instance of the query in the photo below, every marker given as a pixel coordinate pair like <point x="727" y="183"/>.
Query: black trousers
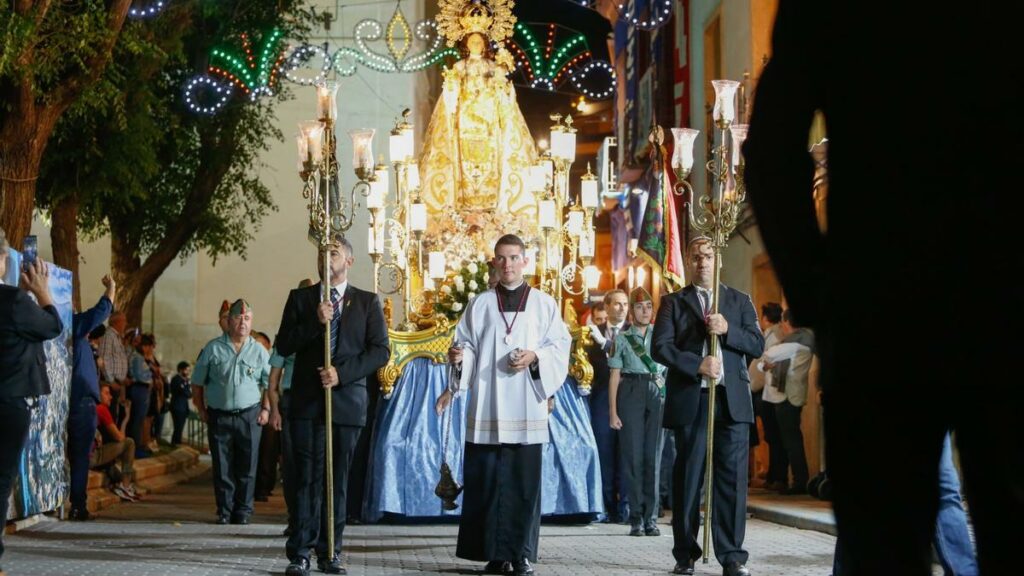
<point x="308" y="448"/>
<point x="501" y="502"/>
<point x="640" y="407"/>
<point x="778" y="461"/>
<point x="81" y="435"/>
<point x="234" y="448"/>
<point x="266" y="467"/>
<point x="287" y="458"/>
<point x="15" y="417"/>
<point x="788" y="416"/>
<point x="729" y="499"/>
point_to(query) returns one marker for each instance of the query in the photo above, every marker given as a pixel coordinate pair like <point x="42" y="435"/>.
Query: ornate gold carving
<point x="432" y="343"/>
<point x="459" y="18"/>
<point x="579" y="364"/>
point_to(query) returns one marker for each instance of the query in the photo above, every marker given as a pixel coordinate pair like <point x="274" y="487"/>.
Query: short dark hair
<point x="787" y="317"/>
<point x="340" y="240"/>
<point x="510" y="240"/>
<point x="147" y="340"/>
<point x="98" y="332"/>
<point x="772" y="311"/>
<point x="182" y="365"/>
<point x="597" y="307"/>
<point x="608" y="295"/>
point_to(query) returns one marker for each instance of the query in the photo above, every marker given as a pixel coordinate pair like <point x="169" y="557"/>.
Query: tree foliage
<point x="161" y="180"/>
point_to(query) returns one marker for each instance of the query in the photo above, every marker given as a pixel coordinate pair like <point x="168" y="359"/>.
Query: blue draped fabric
<point x="405" y="454"/>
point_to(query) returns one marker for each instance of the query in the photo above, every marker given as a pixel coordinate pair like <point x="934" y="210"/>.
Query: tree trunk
<point x="64" y="237"/>
<point x="125" y="265"/>
<point x="19" y="171"/>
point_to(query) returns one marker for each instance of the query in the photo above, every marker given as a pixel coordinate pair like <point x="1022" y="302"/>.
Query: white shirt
<point x="340" y="289"/>
<point x="770" y="393"/>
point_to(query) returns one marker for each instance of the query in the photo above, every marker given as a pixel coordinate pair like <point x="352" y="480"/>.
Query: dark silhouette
<point x="908" y="290"/>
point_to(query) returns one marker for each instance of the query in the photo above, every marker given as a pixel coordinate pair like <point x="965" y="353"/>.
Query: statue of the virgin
<point x="477" y="150"/>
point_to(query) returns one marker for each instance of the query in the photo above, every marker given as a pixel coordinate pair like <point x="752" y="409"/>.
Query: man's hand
<point x="454" y="355"/>
<point x="442" y="402"/>
<point x="551" y="405"/>
<point x="526" y="357"/>
<point x="711" y="367"/>
<point x="111" y="287"/>
<point x="328" y="377"/>
<point x="325" y="313"/>
<point x="275" y="420"/>
<point x="35" y="278"/>
<point x="717" y="324"/>
<point x="264" y="416"/>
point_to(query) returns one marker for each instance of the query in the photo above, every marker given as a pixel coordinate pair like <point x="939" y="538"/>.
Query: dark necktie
<point x="336" y="319"/>
<point x="612" y="333"/>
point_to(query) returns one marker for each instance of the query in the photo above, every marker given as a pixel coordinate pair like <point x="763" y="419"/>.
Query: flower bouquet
<point x="457" y="290"/>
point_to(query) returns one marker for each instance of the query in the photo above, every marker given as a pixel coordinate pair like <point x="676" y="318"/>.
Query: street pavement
<point x="173" y="533"/>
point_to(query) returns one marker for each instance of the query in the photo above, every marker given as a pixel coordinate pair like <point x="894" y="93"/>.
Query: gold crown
<point x="460" y="18"/>
<point x="475" y="18"/>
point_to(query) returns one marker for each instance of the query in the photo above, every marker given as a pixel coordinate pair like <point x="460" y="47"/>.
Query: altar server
<point x="513" y="351"/>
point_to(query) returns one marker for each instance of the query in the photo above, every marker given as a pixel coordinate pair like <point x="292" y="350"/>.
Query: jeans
<point x="952" y="539"/>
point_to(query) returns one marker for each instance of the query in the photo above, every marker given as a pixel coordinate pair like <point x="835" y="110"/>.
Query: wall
<point x="182" y="309"/>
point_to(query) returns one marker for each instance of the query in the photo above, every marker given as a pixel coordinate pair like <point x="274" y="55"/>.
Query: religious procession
<point x="606" y="305"/>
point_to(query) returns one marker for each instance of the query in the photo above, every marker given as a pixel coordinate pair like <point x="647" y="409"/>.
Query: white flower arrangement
<point x="457" y="290"/>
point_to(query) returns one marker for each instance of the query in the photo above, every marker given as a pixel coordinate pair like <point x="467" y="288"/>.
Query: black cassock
<point x="501" y="502"/>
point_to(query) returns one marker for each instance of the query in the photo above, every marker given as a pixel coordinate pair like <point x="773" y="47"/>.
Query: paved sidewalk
<point x="173" y="533"/>
<point x="804" y="512"/>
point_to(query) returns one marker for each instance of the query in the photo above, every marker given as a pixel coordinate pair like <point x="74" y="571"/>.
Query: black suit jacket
<point x="24" y="326"/>
<point x="362" y="348"/>
<point x="679" y="337"/>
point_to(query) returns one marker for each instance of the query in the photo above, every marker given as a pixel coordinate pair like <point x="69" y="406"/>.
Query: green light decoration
<point x="547" y="64"/>
<point x="256" y="73"/>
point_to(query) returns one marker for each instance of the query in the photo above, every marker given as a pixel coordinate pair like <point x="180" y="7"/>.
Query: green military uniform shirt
<point x="625" y="359"/>
<point x="232" y="381"/>
<point x="286" y="364"/>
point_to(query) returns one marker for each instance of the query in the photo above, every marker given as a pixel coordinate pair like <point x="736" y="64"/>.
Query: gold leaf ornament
<point x="459" y="18"/>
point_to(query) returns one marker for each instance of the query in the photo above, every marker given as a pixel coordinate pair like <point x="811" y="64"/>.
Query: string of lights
<point x="148" y="10"/>
<point x="660" y="11"/>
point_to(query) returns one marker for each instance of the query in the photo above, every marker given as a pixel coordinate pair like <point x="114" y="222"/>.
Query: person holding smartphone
<point x="24" y="326"/>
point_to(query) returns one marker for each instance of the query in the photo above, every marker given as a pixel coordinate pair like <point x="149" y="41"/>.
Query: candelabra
<point x="714" y="216"/>
<point x="566" y="224"/>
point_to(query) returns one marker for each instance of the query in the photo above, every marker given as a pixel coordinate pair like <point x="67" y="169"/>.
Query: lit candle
<point x="725" y="100"/>
<point x="739" y="136"/>
<point x="362" y="148"/>
<point x="632" y="281"/>
<point x="531" y="262"/>
<point x="327" y="100"/>
<point x="436" y="265"/>
<point x="575" y="223"/>
<point x="428" y="284"/>
<point x="316" y="147"/>
<point x="547" y="214"/>
<point x="631" y="245"/>
<point x="592" y="277"/>
<point x="375" y="199"/>
<point x="381" y="182"/>
<point x="588" y="192"/>
<point x="641" y="275"/>
<point x="418" y="217"/>
<point x="412" y="175"/>
<point x="682" y="154"/>
<point x="303" y="145"/>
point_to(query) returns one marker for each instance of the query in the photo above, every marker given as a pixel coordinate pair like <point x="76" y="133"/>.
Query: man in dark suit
<point x="681" y="334"/>
<point x="359" y="337"/>
<point x="935" y="270"/>
<point x="24" y="326"/>
<point x="616" y="309"/>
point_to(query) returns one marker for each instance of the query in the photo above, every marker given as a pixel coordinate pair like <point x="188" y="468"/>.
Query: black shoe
<point x="636" y="530"/>
<point x="522" y="568"/>
<point x="241" y="519"/>
<point x="332" y="566"/>
<point x="80" y="515"/>
<point x="298" y="567"/>
<point x="223" y="519"/>
<point x="287" y="531"/>
<point x="651" y="529"/>
<point x="735" y="569"/>
<point x="498" y="567"/>
<point x="686" y="569"/>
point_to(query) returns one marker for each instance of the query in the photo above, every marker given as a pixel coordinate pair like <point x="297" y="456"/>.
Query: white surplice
<point x="507" y="407"/>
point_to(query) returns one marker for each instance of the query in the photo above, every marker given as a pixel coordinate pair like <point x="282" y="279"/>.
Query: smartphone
<point x="29" y="250"/>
